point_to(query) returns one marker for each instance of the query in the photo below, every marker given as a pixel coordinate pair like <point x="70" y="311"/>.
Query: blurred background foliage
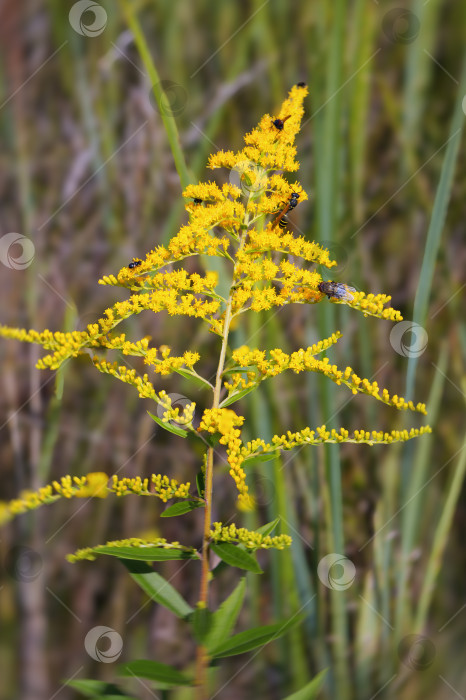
<point x="88" y="175"/>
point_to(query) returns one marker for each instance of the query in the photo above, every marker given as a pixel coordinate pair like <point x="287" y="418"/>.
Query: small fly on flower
<point x="134" y="263"/>
<point x="278" y="123"/>
<point x="337" y="290"/>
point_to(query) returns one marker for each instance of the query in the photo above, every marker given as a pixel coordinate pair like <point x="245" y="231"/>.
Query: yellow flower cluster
<point x="159" y="485"/>
<point x="267" y="145"/>
<point x="92" y="485"/>
<point x="47" y="339"/>
<point x="129" y="376"/>
<point x="173" y="414"/>
<point x="166" y="364"/>
<point x="279" y="361"/>
<point x="127" y="347"/>
<point x="179" y="280"/>
<point x="276" y="240"/>
<point x="321" y="435"/>
<point x="252" y="540"/>
<point x="267" y="267"/>
<point x="226" y="422"/>
<point x="65" y="345"/>
<point x="190" y="240"/>
<point x="146" y="391"/>
<point x="304" y="360"/>
<point x="91" y="553"/>
<point x="373" y="305"/>
<point x="210" y="191"/>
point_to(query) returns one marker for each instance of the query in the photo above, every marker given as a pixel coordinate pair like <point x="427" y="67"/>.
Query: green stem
<point x="202" y="655"/>
<point x="162" y="101"/>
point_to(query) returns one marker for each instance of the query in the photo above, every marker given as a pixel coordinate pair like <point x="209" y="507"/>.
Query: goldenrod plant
<point x="243" y="224"/>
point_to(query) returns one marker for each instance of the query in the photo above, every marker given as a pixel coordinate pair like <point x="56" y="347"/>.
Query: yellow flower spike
<point x="252" y="540"/>
<point x="263" y="266"/>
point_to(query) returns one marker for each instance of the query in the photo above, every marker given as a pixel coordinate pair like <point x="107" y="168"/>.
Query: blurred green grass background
<point x="91" y="173"/>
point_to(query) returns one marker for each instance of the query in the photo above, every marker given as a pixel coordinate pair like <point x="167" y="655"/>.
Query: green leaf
<point x="147" y="553"/>
<point x="232" y="555"/>
<point x="130" y="11"/>
<point x="200" y="483"/>
<point x="253" y="638"/>
<point x="99" y="689"/>
<point x="168" y="426"/>
<point x="193" y="377"/>
<point x="310" y="690"/>
<point x="236" y="396"/>
<point x="181" y="508"/>
<point x="158" y="588"/>
<point x="264" y="530"/>
<point x="268" y="527"/>
<point x="224" y="619"/>
<point x="201" y="621"/>
<point x="437" y="222"/>
<point x="259" y="459"/>
<point x="154" y="671"/>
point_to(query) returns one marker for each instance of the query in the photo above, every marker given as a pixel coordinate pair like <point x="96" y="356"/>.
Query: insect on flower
<point x="134" y="263"/>
<point x="283" y="222"/>
<point x="281" y="219"/>
<point x="336" y="290"/>
<point x="197" y="200"/>
<point x="278" y="123"/>
<point x="301" y="84"/>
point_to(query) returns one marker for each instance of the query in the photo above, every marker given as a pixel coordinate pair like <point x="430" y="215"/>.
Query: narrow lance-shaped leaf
<point x="154" y="671"/>
<point x="224" y="619"/>
<point x="236" y="396"/>
<point x="311" y="690"/>
<point x="147" y="553"/>
<point x="268" y="527"/>
<point x="169" y="426"/>
<point x="158" y="588"/>
<point x="232" y="555"/>
<point x="201" y="621"/>
<point x="264" y="530"/>
<point x="200" y="483"/>
<point x="253" y="638"/>
<point x="181" y="508"/>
